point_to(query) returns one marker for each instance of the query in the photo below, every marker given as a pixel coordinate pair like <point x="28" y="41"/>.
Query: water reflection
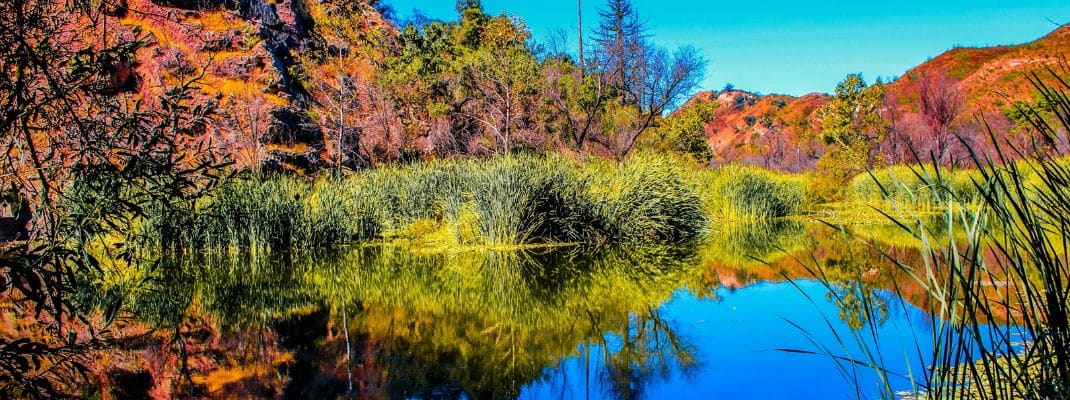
<point x="482" y="324"/>
<point x="388" y="322"/>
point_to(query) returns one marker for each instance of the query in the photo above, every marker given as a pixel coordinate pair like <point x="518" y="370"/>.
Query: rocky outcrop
<point x="250" y="51"/>
<point x="280" y="37"/>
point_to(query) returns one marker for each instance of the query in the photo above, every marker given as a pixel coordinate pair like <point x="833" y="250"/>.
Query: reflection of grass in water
<point x="752" y="243"/>
<point x="237" y="290"/>
<point x="894" y="235"/>
<point x="517" y="287"/>
<point x="503" y="316"/>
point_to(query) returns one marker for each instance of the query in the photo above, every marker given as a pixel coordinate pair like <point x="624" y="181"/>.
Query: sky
<point x="795" y="47"/>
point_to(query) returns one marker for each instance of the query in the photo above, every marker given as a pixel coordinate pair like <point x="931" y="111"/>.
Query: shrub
<point x="647" y="200"/>
<point x="736" y="192"/>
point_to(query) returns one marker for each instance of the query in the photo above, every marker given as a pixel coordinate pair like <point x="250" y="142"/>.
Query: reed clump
<point x="922" y="187"/>
<point x="996" y="274"/>
<point x="503" y="201"/>
<point x="736" y="193"/>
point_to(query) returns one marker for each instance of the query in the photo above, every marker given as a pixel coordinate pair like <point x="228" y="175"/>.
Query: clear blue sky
<point x="797" y="47"/>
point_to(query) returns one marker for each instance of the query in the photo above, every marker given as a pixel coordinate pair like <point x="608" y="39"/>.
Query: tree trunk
<point x="579" y="12"/>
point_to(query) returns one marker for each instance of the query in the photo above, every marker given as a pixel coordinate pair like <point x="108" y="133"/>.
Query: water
<point x="738" y="340"/>
<point x="731" y="317"/>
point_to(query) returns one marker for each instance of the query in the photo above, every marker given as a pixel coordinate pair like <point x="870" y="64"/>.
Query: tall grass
<point x="1000" y="298"/>
<point x="502" y="201"/>
<point x="647" y="200"/>
<point x="735" y="193"/>
<point x="922" y="187"/>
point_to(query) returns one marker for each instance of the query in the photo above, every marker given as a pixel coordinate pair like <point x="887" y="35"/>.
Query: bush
<point x="647" y="200"/>
<point x="738" y="193"/>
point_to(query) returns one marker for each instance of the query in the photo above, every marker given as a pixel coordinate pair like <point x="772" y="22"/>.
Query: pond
<point x="733" y="316"/>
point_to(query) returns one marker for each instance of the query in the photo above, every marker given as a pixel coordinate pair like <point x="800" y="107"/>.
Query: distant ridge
<point x="783" y="132"/>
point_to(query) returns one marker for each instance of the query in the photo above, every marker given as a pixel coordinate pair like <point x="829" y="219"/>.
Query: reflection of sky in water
<point x="488" y="324"/>
<point x="736" y="337"/>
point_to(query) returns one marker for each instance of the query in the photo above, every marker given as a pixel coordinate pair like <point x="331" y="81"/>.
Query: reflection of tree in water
<point x="651" y="351"/>
<point x="477" y="324"/>
<point x="859" y="304"/>
<point x="853" y="282"/>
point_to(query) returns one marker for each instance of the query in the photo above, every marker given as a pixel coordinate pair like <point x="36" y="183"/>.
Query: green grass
<point x="503" y="201"/>
<point x="736" y="193"/>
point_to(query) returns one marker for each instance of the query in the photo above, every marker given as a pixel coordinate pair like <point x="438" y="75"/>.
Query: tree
<point x="685" y="131"/>
<point x="939" y="104"/>
<point x="851" y="126"/>
<point x="504" y="81"/>
<point x="348" y="90"/>
<point x="92" y="158"/>
<point x="580" y="35"/>
<point x="576" y="100"/>
<point x="644" y="80"/>
<point x="621" y="48"/>
<point x="244" y="123"/>
<point x="341" y="111"/>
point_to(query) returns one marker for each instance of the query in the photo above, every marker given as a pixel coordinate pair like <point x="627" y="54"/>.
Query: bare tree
<point x="642" y="76"/>
<point x="500" y="81"/>
<point x="940" y="104"/>
<point x="243" y="125"/>
<point x="896" y="142"/>
<point x="666" y="81"/>
<point x="338" y="95"/>
<point x="579" y="30"/>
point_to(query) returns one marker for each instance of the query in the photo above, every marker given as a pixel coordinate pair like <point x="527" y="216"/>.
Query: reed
<point x="996" y="273"/>
<point x="735" y="193"/>
<point x="923" y="187"/>
<point x="509" y="200"/>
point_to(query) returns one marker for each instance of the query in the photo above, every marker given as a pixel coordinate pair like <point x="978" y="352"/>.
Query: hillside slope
<point x="784" y="132"/>
<point x="251" y="61"/>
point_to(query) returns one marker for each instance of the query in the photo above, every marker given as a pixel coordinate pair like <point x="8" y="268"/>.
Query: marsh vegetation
<point x="499" y="222"/>
<point x="505" y="201"/>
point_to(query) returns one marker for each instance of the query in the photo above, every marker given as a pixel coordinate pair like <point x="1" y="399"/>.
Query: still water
<point x="733" y="316"/>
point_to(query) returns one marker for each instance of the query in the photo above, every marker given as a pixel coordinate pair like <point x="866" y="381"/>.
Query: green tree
<point x="476" y="78"/>
<point x="851" y="127"/>
<point x="684" y="131"/>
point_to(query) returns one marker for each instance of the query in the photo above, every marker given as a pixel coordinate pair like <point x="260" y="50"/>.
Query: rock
<point x="115" y="8"/>
<point x="293" y="126"/>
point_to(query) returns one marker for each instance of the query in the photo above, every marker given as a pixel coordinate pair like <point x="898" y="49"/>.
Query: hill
<point x="784" y="132"/>
<point x="254" y="64"/>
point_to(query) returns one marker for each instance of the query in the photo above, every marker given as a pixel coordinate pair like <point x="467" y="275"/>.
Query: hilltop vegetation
<point x="954" y="94"/>
<point x="303" y="86"/>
